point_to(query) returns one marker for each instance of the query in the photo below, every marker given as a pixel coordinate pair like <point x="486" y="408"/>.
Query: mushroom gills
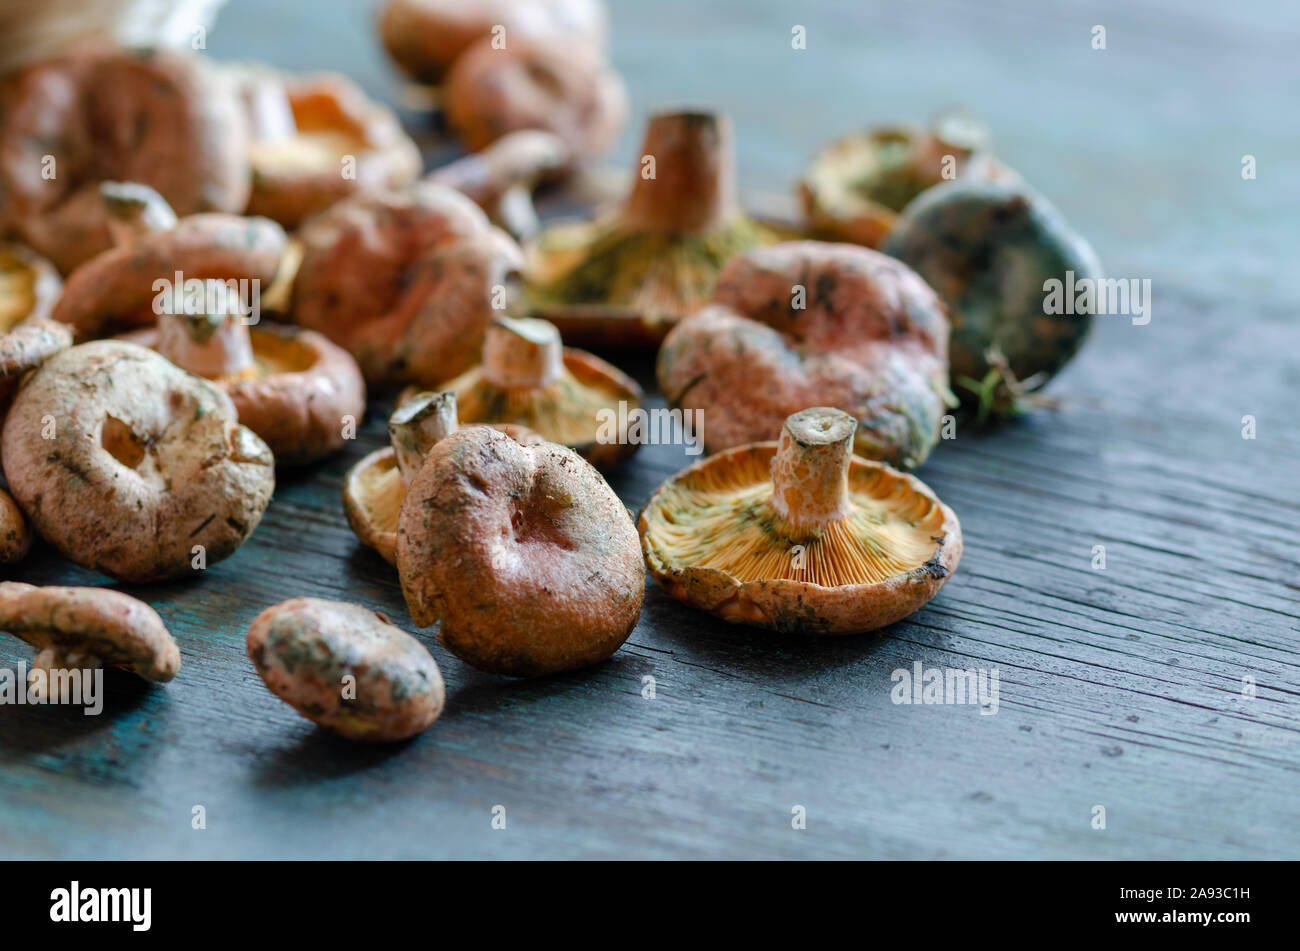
<point x="723" y="518"/>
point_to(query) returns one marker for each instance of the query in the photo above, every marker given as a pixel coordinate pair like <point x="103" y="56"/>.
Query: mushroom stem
<point x="417" y="425"/>
<point x="522" y="353"/>
<point x="517" y="158"/>
<point x="211" y="340"/>
<point x="810" y="471"/>
<point x="691" y="184"/>
<point x="134" y="211"/>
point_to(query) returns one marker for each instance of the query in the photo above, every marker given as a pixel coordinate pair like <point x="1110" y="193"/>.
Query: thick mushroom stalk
<point x="522" y="353"/>
<point x="417" y="425"/>
<point x="693" y="185"/>
<point x="213" y="342"/>
<point x="810" y="471"/>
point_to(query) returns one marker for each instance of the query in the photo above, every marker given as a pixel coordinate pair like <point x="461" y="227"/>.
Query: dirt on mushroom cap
<point x="146" y="464"/>
<point x="807" y="323"/>
<point x="987" y="249"/>
<point x="347" y="668"/>
<point x="404" y="281"/>
<point x="524" y="554"/>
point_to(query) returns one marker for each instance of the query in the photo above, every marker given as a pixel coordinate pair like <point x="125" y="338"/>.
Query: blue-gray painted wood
<point x="1120" y="688"/>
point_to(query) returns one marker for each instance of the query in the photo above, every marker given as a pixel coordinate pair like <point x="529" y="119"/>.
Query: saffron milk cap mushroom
<point x="374" y="488"/>
<point x="800" y="535"/>
<point x="628" y="277"/>
<point x="347" y="668"/>
<point x="87" y="628"/>
<point x="162" y="118"/>
<point x="130" y="466"/>
<point x="554" y="85"/>
<point x="292" y="387"/>
<point x="15" y="536"/>
<point x="157" y="255"/>
<point x="527" y="378"/>
<point x="523" y="555"/>
<point x="806" y="323"/>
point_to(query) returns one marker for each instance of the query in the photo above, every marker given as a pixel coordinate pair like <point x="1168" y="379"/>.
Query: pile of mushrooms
<point x="147" y="404"/>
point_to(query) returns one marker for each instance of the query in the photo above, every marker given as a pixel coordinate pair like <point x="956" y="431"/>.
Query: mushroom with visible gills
<point x="800" y="535"/>
<point x="29" y="287"/>
<point x="527" y="378"/>
<point x="374" y="488"/>
<point x="87" y="628"/>
<point x="292" y="387"/>
<point x="627" y="278"/>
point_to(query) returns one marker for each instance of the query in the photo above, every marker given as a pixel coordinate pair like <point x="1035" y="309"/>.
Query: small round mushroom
<point x="347" y="668"/>
<point x="568" y="396"/>
<point x="29" y="286"/>
<point x="323" y="140"/>
<point x="627" y="278"/>
<point x="990" y="251"/>
<point x="804" y="324"/>
<point x="524" y="555"/>
<point x="87" y="628"/>
<point x="406" y="281"/>
<point x="855" y="187"/>
<point x="373" y="489"/>
<point x="556" y="86"/>
<point x="800" y="535"/>
<point x="106" y="114"/>
<point x="130" y="466"/>
<point x="292" y="387"/>
<point x="118" y="289"/>
<point x="15" y="536"/>
<point x="424" y="37"/>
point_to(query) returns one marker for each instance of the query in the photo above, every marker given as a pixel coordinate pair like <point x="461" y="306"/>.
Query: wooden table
<point x="1120" y="688"/>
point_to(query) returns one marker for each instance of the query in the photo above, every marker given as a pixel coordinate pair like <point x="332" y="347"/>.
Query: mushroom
<point x="625" y="279"/>
<point x="29" y="286"/>
<point x="15" y="536"/>
<point x="160" y="118"/>
<point x="130" y="466"/>
<point x="991" y="251"/>
<point x="564" y="89"/>
<point x="800" y="535"/>
<point x="524" y="555"/>
<point x="856" y="186"/>
<point x="120" y="288"/>
<point x="347" y="668"/>
<point x="806" y="323"/>
<point x="501" y="178"/>
<point x="568" y="396"/>
<point x="84" y="629"/>
<point x="374" y="488"/>
<point x="316" y="139"/>
<point x="406" y="281"/>
<point x="291" y="387"/>
<point x="424" y="37"/>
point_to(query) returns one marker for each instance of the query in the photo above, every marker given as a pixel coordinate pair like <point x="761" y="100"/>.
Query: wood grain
<point x="1119" y="687"/>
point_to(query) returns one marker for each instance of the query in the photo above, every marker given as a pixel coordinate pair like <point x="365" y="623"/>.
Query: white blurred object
<point x="33" y="30"/>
